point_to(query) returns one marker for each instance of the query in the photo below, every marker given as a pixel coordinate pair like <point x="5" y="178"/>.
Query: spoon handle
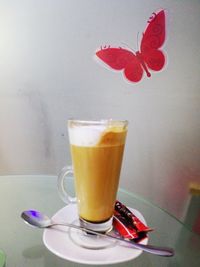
<point x="160" y="251"/>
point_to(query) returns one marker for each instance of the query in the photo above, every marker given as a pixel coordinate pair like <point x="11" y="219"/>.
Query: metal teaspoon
<point x="37" y="219"/>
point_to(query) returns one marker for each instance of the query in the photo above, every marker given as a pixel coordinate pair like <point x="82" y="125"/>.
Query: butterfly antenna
<point x="138" y="41"/>
<point x="127" y="46"/>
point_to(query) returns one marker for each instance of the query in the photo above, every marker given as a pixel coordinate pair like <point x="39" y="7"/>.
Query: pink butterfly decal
<point x="149" y="56"/>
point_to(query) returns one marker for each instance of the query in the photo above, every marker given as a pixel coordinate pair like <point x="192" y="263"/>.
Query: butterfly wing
<point x="153" y="38"/>
<point x="133" y="71"/>
<point x="154" y="35"/>
<point x="154" y="59"/>
<point x="122" y="59"/>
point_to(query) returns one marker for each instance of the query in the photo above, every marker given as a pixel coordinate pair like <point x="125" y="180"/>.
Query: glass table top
<point x="23" y="245"/>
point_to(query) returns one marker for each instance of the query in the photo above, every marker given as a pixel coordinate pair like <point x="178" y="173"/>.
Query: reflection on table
<point x="24" y="245"/>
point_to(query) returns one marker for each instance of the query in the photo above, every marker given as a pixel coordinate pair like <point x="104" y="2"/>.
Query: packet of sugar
<point x="128" y="225"/>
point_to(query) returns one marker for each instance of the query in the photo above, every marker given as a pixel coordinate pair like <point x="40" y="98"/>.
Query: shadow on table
<point x="49" y="259"/>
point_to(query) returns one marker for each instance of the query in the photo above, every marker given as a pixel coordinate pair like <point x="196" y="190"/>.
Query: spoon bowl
<point x="36" y="219"/>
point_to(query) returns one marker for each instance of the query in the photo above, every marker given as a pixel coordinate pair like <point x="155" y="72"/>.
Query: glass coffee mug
<point x="97" y="150"/>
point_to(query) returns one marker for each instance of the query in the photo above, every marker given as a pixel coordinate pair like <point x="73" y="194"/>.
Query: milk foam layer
<point x="85" y="135"/>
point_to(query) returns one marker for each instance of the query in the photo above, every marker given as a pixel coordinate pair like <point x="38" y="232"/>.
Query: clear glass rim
<point x="106" y="122"/>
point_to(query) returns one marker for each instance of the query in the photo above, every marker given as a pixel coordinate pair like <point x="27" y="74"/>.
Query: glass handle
<point x="64" y="174"/>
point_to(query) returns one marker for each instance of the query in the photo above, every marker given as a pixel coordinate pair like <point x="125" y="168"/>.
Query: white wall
<point x="48" y="74"/>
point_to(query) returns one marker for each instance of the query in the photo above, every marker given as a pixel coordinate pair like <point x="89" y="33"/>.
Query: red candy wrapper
<point x="127" y="224"/>
<point x="123" y="228"/>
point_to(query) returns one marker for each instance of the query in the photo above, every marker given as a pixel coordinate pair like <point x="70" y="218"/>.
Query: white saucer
<point x="60" y="242"/>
